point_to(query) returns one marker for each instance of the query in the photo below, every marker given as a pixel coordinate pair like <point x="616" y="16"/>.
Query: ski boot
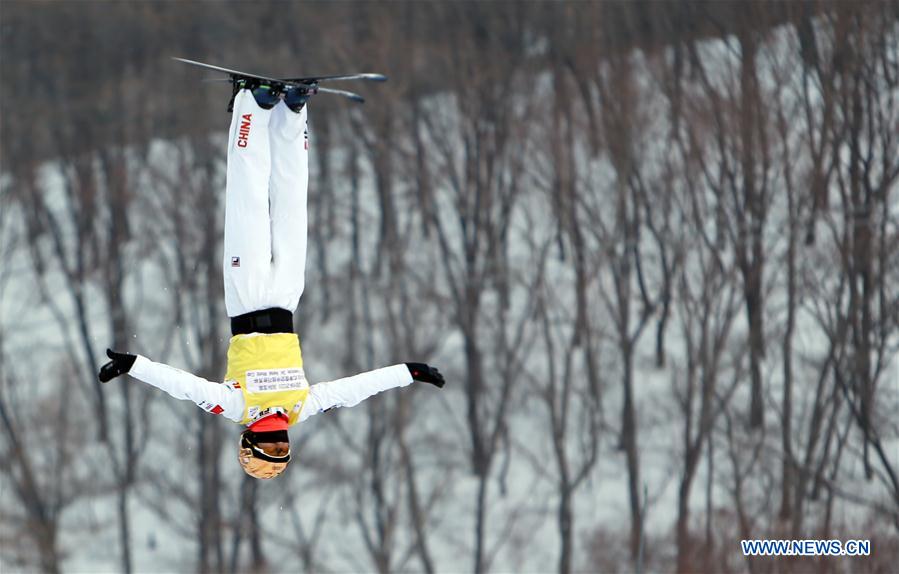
<point x="265" y="94"/>
<point x="296" y="96"/>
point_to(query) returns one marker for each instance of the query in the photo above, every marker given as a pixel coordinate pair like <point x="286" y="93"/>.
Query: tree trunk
<point x="787" y="463"/>
<point x="565" y="529"/>
<point x="684" y="545"/>
<point x="480" y="524"/>
<point x="629" y="442"/>
<point x="750" y="245"/>
<point x="481" y="457"/>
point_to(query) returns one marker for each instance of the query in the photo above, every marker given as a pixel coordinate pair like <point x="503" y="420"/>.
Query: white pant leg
<point x="288" y="190"/>
<point x="247" y="254"/>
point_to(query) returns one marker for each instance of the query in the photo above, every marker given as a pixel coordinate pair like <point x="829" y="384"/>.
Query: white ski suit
<point x="265" y="256"/>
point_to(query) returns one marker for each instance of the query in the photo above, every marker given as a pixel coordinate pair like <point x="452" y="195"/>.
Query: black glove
<point x="426" y="374"/>
<point x="120" y="364"/>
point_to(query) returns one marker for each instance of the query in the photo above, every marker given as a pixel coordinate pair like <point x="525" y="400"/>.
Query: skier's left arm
<point x="350" y="391"/>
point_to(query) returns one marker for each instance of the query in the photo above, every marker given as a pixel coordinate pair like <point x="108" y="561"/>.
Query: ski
<point x="345" y="93"/>
<point x="309" y="82"/>
<point x="365" y="76"/>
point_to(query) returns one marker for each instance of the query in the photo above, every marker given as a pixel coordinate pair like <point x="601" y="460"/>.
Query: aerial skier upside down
<point x="265" y="387"/>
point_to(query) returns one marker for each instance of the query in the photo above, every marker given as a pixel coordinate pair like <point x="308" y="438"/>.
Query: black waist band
<point x="265" y="321"/>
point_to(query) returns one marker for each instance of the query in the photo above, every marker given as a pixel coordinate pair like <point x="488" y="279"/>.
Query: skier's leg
<point x="247" y="255"/>
<point x="289" y="183"/>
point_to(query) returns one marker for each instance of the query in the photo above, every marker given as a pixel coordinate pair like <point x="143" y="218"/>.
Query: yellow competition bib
<point x="268" y="368"/>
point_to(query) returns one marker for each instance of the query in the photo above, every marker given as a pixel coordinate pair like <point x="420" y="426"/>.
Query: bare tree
<point x="476" y="166"/>
<point x="620" y="240"/>
<point x="42" y="501"/>
<point x="569" y="385"/>
<point x="866" y="313"/>
<point x="708" y="306"/>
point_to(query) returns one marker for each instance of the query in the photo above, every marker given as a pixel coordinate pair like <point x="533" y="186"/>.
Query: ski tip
<point x="349" y="95"/>
<point x="375" y="77"/>
<point x="353" y="96"/>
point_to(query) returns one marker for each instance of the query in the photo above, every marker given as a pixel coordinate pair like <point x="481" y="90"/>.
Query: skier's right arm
<point x="212" y="397"/>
